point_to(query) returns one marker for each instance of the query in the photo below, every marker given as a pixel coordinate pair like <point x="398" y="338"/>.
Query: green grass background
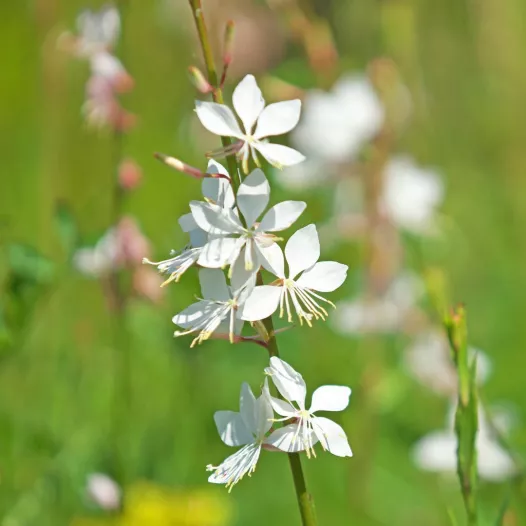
<point x="464" y="62"/>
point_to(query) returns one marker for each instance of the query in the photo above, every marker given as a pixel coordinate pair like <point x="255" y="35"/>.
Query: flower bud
<point x="199" y="80"/>
<point x="180" y="166"/>
<point x="228" y="43"/>
<point x="130" y="174"/>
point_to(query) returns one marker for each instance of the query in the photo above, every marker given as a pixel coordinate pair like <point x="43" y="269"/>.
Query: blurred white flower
<point x="302" y="253"/>
<point x="122" y="245"/>
<point x="334" y="127"/>
<point x="218" y="311"/>
<point x="97" y="31"/>
<point x="437" y="452"/>
<point x="275" y="119"/>
<point x="411" y="195"/>
<point x="103" y="491"/>
<point x="429" y="361"/>
<point x="308" y="427"/>
<point x="385" y="314"/>
<point x="230" y="240"/>
<point x="247" y="428"/>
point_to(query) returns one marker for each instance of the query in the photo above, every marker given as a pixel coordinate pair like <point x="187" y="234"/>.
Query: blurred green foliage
<point x="464" y="64"/>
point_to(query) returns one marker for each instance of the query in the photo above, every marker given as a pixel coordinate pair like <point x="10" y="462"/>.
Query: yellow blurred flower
<point x="148" y="504"/>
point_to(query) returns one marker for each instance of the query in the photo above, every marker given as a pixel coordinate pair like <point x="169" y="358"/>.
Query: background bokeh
<point x="65" y="409"/>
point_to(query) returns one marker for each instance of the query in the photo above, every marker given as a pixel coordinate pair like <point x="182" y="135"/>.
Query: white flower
<point x="437" y="452"/>
<point x="275" y="119"/>
<point x="100" y="259"/>
<point x="384" y="314"/>
<point x="246" y="428"/>
<point x="411" y="195"/>
<point x="103" y="491"/>
<point x="336" y="125"/>
<point x="429" y="361"/>
<point x="308" y="428"/>
<point x="229" y="236"/>
<point x="215" y="190"/>
<point x="218" y="311"/>
<point x="98" y="31"/>
<point x="302" y="253"/>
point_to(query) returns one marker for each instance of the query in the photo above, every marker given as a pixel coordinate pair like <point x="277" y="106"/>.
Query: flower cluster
<point x="238" y="231"/>
<point x="97" y="35"/>
<point x="235" y="241"/>
<point x="253" y="427"/>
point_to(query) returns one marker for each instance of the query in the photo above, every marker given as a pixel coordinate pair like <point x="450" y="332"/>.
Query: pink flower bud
<point x="199" y="80"/>
<point x="130" y="175"/>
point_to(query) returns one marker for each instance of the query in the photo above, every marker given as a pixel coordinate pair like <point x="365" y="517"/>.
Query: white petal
<point x="325" y="276"/>
<point x="248" y="101"/>
<point x="188" y="317"/>
<point x="282" y="407"/>
<point x="232" y="429"/>
<point x="278" y="118"/>
<point x="436" y="452"/>
<point x="236" y="466"/>
<point x="272" y="259"/>
<point x="262" y="303"/>
<point x="330" y="398"/>
<point x="187" y="222"/>
<point x="218" y="119"/>
<point x="218" y="251"/>
<point x="302" y="250"/>
<point x="198" y="238"/>
<point x="253" y="196"/>
<point x="218" y="190"/>
<point x="287" y="439"/>
<point x="213" y="284"/>
<point x="281" y="216"/>
<point x="264" y="415"/>
<point x="247" y="407"/>
<point x="279" y="155"/>
<point x="332" y="436"/>
<point x="241" y="277"/>
<point x="289" y="382"/>
<point x="214" y="219"/>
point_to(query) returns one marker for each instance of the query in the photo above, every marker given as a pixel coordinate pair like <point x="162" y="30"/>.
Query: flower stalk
<point x="466" y="416"/>
<point x="305" y="500"/>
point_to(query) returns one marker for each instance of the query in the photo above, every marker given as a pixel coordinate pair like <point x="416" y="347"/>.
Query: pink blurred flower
<point x="130" y="174"/>
<point x="147" y="283"/>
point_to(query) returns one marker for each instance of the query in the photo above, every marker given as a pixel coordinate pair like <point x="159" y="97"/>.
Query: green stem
<point x="217" y="94"/>
<point x="305" y="500"/>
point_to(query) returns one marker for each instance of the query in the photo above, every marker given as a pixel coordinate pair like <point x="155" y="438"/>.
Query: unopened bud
<point x="228" y="42"/>
<point x="178" y="165"/>
<point x="130" y="174"/>
<point x="199" y="80"/>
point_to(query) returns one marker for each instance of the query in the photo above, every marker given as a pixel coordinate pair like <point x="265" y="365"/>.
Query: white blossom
<point x="308" y="428"/>
<point x="411" y="195"/>
<point x="302" y="253"/>
<point x="103" y="491"/>
<point x="231" y="239"/>
<point x="334" y="128"/>
<point x="428" y="360"/>
<point x="248" y="428"/>
<point x="384" y="314"/>
<point x="259" y="122"/>
<point x="98" y="31"/>
<point x="437" y="451"/>
<point x="218" y="310"/>
<point x="215" y="190"/>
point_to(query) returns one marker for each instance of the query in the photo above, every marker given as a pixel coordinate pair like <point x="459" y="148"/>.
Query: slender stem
<point x="217" y="93"/>
<point x="305" y="500"/>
